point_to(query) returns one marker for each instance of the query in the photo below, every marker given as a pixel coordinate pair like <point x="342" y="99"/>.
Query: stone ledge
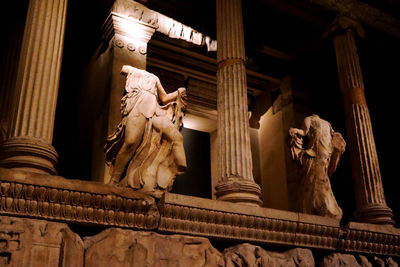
<point x="222" y="220"/>
<point x="55" y="198"/>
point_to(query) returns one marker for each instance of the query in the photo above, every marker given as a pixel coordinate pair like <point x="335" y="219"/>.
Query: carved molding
<point x="238" y="222"/>
<point x="126" y="27"/>
<point x="360" y="237"/>
<point x="137" y="11"/>
<point x="174" y="29"/>
<point x="224" y="221"/>
<point x="55" y="198"/>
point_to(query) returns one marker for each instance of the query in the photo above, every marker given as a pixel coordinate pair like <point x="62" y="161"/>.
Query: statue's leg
<point x="134" y="130"/>
<point x="164" y="125"/>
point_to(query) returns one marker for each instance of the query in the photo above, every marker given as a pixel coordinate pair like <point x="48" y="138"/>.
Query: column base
<point x="28" y="154"/>
<point x="239" y="191"/>
<point x="375" y="214"/>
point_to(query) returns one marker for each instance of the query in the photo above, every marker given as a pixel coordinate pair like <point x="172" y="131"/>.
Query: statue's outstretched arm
<point x="166" y="98"/>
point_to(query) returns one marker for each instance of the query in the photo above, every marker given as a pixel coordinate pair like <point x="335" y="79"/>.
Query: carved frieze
<point x="42" y="196"/>
<point x="222" y="220"/>
<point x="359" y="237"/>
<point x="251" y="255"/>
<point x="237" y="222"/>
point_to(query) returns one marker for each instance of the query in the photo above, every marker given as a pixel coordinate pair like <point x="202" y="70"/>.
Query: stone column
<point x="236" y="181"/>
<point x="370" y="199"/>
<point x="126" y="32"/>
<point x="28" y="146"/>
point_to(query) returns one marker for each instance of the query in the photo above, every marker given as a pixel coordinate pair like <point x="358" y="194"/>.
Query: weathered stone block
<point x="29" y="242"/>
<point x="117" y="247"/>
<point x="250" y="255"/>
<point x="339" y="260"/>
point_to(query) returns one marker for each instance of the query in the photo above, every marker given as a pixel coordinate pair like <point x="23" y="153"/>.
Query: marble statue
<point x="146" y="150"/>
<point x="317" y="149"/>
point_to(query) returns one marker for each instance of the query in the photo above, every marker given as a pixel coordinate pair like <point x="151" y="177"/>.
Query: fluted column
<point x="28" y="146"/>
<point x="236" y="181"/>
<point x="370" y="199"/>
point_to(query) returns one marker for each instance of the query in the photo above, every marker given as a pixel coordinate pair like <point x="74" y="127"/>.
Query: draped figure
<point x="146" y="150"/>
<point x="317" y="148"/>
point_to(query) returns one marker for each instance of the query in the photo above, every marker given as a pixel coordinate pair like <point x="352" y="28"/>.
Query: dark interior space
<point x="196" y="179"/>
<point x="82" y="36"/>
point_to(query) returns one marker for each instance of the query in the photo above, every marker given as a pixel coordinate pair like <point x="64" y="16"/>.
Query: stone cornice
<point x="128" y="27"/>
<point x="163" y="24"/>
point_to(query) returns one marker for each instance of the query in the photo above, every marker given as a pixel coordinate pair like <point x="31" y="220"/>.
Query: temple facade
<point x="199" y="133"/>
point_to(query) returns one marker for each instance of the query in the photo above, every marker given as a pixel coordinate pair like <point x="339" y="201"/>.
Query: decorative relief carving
<point x="131" y="47"/>
<point x="360" y="240"/>
<point x="119" y="43"/>
<point x="136" y="10"/>
<point x="244" y="255"/>
<point x="162" y="23"/>
<point x="66" y="204"/>
<point x="189" y="219"/>
<point x="216" y="219"/>
<point x="143" y="50"/>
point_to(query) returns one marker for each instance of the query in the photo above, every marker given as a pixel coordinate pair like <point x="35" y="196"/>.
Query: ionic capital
<point x="343" y="24"/>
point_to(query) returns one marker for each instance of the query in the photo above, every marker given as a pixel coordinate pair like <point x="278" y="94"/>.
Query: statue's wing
<point x="338" y="148"/>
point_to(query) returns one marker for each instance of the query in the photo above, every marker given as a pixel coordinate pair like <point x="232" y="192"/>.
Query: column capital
<point x="343" y="24"/>
<point x="128" y="27"/>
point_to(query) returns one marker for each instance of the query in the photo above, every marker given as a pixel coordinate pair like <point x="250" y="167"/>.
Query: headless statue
<point x="146" y="151"/>
<point x="317" y="160"/>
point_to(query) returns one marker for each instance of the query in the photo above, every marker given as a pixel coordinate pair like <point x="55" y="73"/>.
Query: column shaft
<point x="370" y="199"/>
<point x="29" y="140"/>
<point x="235" y="162"/>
